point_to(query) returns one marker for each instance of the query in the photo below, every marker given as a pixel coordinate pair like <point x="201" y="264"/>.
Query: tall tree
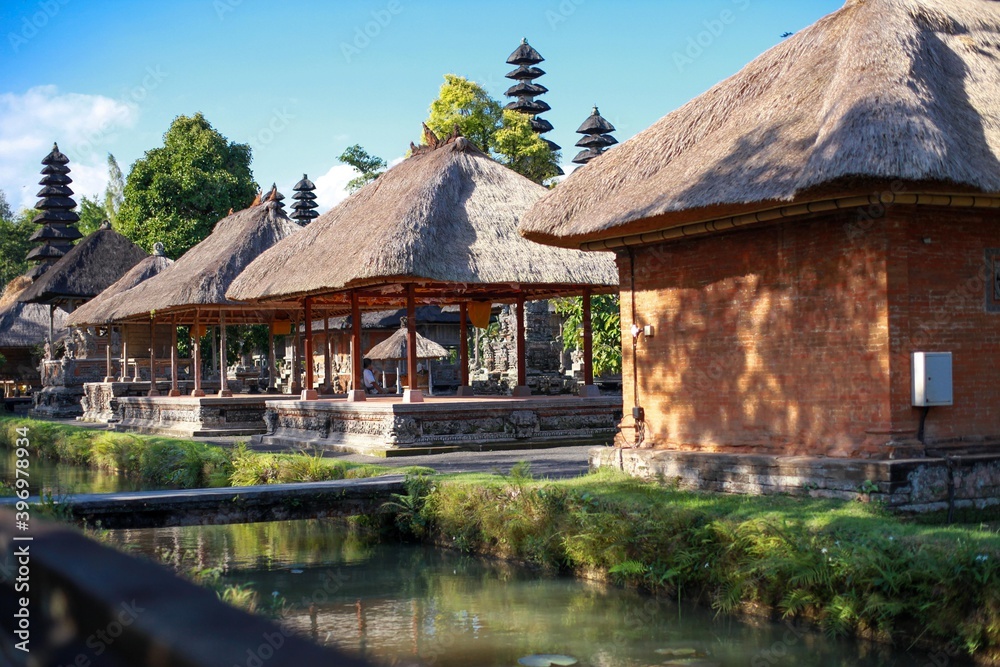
<point x="506" y="135"/>
<point x="92" y="213"/>
<point x="369" y="166"/>
<point x="15" y="230"/>
<point x="176" y="193"/>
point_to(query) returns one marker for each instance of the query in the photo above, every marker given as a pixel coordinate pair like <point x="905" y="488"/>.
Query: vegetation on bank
<point x="175" y="463"/>
<point x="847" y="567"/>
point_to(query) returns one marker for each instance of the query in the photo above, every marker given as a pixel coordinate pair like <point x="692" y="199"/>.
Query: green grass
<point x="848" y="567"/>
<point x="177" y="463"/>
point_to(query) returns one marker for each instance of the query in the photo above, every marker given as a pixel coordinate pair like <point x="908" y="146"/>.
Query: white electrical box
<point x="931" y="379"/>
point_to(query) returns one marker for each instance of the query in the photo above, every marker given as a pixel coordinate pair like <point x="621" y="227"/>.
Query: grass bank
<point x="175" y="463"/>
<point x="847" y="567"/>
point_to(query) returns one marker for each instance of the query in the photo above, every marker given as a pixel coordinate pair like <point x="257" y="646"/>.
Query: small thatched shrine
<point x="24" y="329"/>
<point x="809" y="252"/>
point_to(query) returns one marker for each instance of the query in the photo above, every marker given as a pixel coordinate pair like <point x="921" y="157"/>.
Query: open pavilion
<point x="440" y="228"/>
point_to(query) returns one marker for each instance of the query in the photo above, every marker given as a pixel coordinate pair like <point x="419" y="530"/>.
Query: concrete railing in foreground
<point x="71" y="601"/>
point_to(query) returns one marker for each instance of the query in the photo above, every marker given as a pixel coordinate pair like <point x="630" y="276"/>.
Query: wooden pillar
<point x="196" y="349"/>
<point x="357" y="392"/>
<point x="52" y="342"/>
<point x="308" y="393"/>
<point x="588" y="389"/>
<point x="223" y="358"/>
<point x="463" y="350"/>
<point x="272" y="371"/>
<point x="295" y="381"/>
<point x="412" y="394"/>
<point x="152" y="358"/>
<point x="107" y="374"/>
<point x="215" y="355"/>
<point x="174" y="389"/>
<point x="124" y="377"/>
<point x="522" y="368"/>
<point x="327" y="360"/>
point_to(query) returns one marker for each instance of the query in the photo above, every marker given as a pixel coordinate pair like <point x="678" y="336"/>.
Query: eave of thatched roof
<point x="447" y="214"/>
<point x="93" y="264"/>
<point x="394" y="347"/>
<point x="879" y="91"/>
<point x="26" y="324"/>
<point x="99" y="309"/>
<point x="389" y="319"/>
<point x="201" y="276"/>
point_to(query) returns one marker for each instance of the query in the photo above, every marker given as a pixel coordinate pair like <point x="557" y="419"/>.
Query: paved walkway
<point x="553" y="462"/>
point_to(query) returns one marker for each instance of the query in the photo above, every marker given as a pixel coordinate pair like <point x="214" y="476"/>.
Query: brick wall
<point x="777" y="339"/>
<point x="938" y="257"/>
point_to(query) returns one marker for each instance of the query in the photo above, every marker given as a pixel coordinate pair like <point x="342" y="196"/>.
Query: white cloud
<point x="83" y="125"/>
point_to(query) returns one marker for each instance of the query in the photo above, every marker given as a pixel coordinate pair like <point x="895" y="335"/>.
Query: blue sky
<point x="302" y="81"/>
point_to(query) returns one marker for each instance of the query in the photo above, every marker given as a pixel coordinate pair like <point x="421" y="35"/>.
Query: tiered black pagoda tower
<point x="305" y="201"/>
<point x="55" y="215"/>
<point x="526" y="90"/>
<point x="597" y="137"/>
<point x="274" y="195"/>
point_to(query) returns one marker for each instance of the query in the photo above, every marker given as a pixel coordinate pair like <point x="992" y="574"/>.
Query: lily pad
<point x="547" y="660"/>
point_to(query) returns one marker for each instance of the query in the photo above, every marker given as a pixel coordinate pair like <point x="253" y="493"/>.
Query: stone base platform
<point x="386" y="426"/>
<point x="100" y="400"/>
<point x="904" y="485"/>
<point x="187" y="416"/>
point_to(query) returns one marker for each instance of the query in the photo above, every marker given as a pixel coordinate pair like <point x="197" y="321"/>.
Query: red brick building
<point x="788" y="239"/>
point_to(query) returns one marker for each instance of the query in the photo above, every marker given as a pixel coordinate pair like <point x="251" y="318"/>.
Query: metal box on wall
<point x="932" y="381"/>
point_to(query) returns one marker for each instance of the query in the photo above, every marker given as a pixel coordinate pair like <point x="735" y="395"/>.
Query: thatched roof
<point x="99" y="309"/>
<point x="201" y="276"/>
<point x="26" y="324"/>
<point x="394" y="347"/>
<point x="880" y="90"/>
<point x="98" y="260"/>
<point x="447" y="214"/>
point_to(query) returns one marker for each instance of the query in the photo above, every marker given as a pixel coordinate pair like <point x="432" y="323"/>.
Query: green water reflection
<point x="410" y="605"/>
<point x="60" y="478"/>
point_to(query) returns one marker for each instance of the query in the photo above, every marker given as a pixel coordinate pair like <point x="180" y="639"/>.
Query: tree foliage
<point x="505" y="135"/>
<point x="15" y="229"/>
<point x="95" y="210"/>
<point x="92" y="213"/>
<point x="369" y="166"/>
<point x="605" y="318"/>
<point x="176" y="193"/>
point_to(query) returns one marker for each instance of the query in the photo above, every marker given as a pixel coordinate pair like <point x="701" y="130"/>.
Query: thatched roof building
<point x="25" y="325"/>
<point x="98" y="310"/>
<point x="394" y="348"/>
<point x="86" y="270"/>
<point x="445" y="219"/>
<point x="200" y="277"/>
<point x="879" y="91"/>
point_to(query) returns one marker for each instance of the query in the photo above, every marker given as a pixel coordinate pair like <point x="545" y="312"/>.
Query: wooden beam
<point x="308" y="392"/>
<point x="357" y="392"/>
<point x="327" y="361"/>
<point x="152" y="357"/>
<point x="463" y="350"/>
<point x="196" y="348"/>
<point x="223" y="361"/>
<point x="174" y="389"/>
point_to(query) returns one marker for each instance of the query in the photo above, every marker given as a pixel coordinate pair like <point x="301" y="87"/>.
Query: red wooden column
<point x="152" y="358"/>
<point x="327" y="361"/>
<point x="463" y="350"/>
<point x="308" y="393"/>
<point x="124" y="377"/>
<point x="196" y="348"/>
<point x="357" y="392"/>
<point x="174" y="390"/>
<point x="224" y="391"/>
<point x="272" y="369"/>
<point x="588" y="389"/>
<point x="412" y="394"/>
<point x="522" y="367"/>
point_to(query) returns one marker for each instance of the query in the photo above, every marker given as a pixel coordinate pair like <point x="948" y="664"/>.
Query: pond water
<point x="61" y="478"/>
<point x="400" y="604"/>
